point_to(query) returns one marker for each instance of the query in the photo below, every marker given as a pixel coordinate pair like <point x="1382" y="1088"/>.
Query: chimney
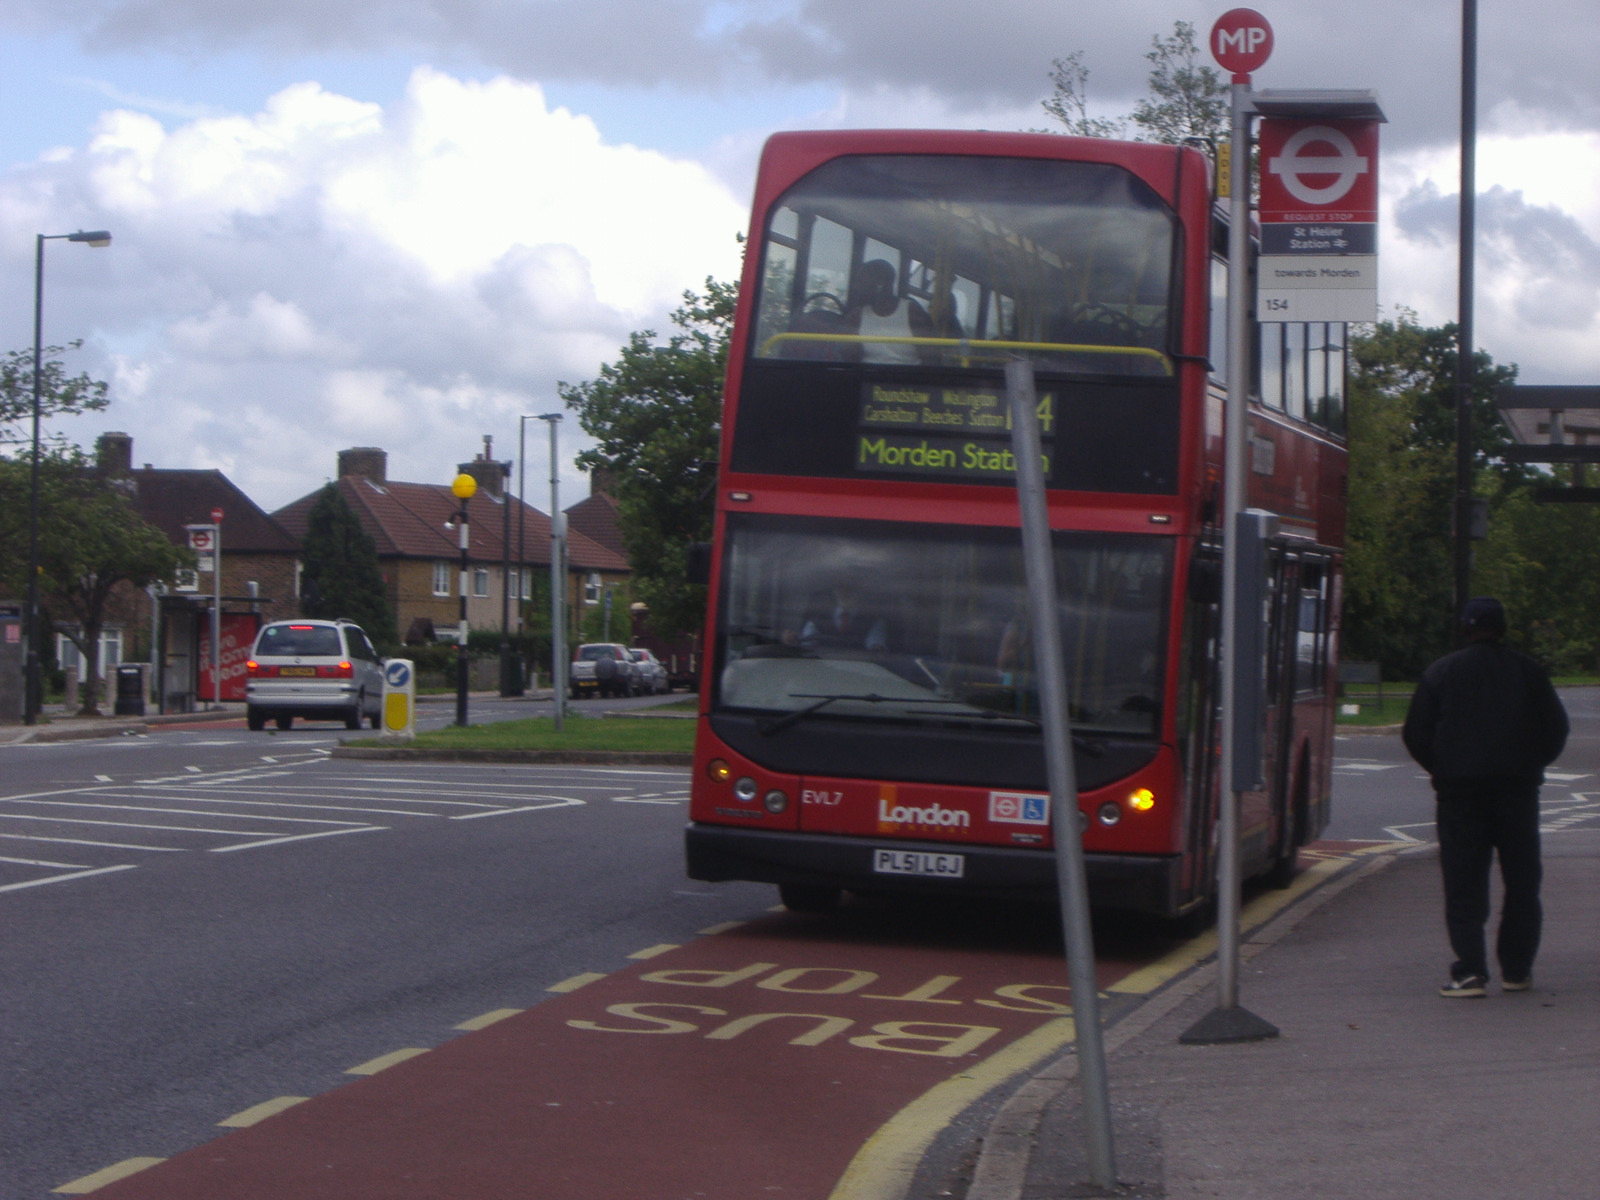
<point x="367" y="461"/>
<point x="601" y="480"/>
<point x="491" y="475"/>
<point x="113" y="454"/>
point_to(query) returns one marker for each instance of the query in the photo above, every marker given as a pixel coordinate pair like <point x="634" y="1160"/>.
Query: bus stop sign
<point x="1241" y="42"/>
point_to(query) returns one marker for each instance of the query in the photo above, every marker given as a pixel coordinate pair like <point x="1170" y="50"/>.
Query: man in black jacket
<point x="1484" y="723"/>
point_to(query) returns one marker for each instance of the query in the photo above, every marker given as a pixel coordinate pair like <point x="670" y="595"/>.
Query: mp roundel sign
<point x="1241" y="41"/>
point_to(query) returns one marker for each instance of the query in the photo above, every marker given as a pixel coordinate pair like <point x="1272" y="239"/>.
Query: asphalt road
<point x="200" y="919"/>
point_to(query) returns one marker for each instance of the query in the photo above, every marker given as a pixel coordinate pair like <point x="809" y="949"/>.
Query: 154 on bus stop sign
<point x="1241" y="42"/>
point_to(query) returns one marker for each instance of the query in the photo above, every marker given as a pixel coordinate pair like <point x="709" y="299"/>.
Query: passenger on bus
<point x="878" y="311"/>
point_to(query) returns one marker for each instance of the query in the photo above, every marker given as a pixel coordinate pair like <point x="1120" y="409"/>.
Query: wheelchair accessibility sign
<point x="399" y="700"/>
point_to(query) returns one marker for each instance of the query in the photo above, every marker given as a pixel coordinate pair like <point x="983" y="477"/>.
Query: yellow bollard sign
<point x="399" y="700"/>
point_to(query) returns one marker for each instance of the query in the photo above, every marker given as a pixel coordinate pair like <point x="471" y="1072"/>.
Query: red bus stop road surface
<point x="754" y="1062"/>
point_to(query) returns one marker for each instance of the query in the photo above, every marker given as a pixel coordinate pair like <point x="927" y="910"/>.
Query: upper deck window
<point x="959" y="261"/>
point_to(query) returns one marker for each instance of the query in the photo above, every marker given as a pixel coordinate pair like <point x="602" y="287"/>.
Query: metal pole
<point x="1228" y="880"/>
<point x="1464" y="348"/>
<point x="522" y="514"/>
<point x="1228" y="1022"/>
<point x="32" y="680"/>
<point x="558" y="647"/>
<point x="506" y="687"/>
<point x="216" y="614"/>
<point x="462" y="667"/>
<point x="1072" y="883"/>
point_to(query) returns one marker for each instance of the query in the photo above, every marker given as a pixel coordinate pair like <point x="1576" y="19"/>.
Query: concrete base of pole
<point x="1222" y="1025"/>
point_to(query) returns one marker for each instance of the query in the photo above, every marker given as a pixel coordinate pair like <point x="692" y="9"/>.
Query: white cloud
<point x="328" y="272"/>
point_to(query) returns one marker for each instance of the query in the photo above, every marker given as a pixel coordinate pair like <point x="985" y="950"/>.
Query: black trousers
<point x="1476" y="820"/>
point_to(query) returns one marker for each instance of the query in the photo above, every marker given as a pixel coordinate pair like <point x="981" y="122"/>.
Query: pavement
<point x="1376" y="1087"/>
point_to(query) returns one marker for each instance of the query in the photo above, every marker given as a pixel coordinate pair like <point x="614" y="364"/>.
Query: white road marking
<point x="304" y="837"/>
<point x="1364" y="766"/>
<point x="39" y="862"/>
<point x="643" y="799"/>
<point x="182" y="812"/>
<point x="501" y="812"/>
<point x="103" y="778"/>
<point x="27" y="837"/>
<point x="132" y="825"/>
<point x="13" y="887"/>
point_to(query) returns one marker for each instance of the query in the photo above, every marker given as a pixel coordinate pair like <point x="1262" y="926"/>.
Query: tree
<point x="655" y="414"/>
<point x="340" y="576"/>
<point x="1069" y="103"/>
<point x="1398" y="569"/>
<point x="93" y="548"/>
<point x="1188" y="99"/>
<point x="59" y="393"/>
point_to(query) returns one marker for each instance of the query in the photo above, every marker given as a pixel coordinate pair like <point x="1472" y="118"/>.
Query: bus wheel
<point x="809" y="897"/>
<point x="1286" y="865"/>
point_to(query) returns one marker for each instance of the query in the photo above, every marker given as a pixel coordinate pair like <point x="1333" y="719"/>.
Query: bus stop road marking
<point x="257" y="1113"/>
<point x="98" y="1180"/>
<point x="384" y="1061"/>
<point x="761" y="1058"/>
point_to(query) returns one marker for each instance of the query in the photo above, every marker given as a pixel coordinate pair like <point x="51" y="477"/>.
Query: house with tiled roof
<point x="413" y="527"/>
<point x="260" y="563"/>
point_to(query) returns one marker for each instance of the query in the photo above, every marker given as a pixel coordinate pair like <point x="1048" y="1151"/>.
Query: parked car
<point x="652" y="675"/>
<point x="315" y="669"/>
<point x="603" y="669"/>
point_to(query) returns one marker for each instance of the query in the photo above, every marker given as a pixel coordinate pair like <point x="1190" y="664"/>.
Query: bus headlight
<point x="775" y="801"/>
<point x="1110" y="813"/>
<point x="745" y="789"/>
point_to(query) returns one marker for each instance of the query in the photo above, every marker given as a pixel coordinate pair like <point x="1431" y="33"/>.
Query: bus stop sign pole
<point x="1071" y="881"/>
<point x="1240" y="46"/>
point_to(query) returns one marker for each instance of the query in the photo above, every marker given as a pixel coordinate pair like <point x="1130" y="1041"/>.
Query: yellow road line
<point x="723" y="927"/>
<point x="488" y="1019"/>
<point x="121" y="1170"/>
<point x="1255" y="914"/>
<point x="384" y="1061"/>
<point x="883" y="1168"/>
<point x="260" y="1112"/>
<point x="654" y="951"/>
<point x="576" y="982"/>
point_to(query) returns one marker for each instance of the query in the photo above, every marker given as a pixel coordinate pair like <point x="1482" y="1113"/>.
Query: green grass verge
<point x="581" y="733"/>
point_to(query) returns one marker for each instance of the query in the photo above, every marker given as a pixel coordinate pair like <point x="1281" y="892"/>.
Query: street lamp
<point x="463" y="487"/>
<point x="32" y="681"/>
<point x="558" y="542"/>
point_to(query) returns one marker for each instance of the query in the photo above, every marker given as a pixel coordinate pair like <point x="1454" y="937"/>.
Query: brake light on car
<point x="343" y="671"/>
<point x="252" y="669"/>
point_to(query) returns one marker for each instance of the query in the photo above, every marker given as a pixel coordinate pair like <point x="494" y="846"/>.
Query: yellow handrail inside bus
<point x="966" y="346"/>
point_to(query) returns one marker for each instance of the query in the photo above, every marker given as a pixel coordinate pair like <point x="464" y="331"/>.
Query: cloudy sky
<point x="400" y="222"/>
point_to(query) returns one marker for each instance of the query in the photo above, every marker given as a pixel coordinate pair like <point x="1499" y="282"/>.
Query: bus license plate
<point x="916" y="862"/>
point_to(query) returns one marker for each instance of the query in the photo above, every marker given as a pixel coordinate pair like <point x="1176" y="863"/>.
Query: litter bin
<point x="130" y="690"/>
<point x="512" y="677"/>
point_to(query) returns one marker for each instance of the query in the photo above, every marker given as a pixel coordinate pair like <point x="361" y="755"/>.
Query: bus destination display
<point x="970" y="431"/>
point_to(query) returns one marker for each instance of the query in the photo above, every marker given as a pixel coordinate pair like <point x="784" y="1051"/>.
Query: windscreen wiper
<point x="1093" y="749"/>
<point x="777" y="725"/>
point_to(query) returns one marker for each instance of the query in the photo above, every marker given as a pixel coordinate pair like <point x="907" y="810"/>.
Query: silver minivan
<point x="316" y="669"/>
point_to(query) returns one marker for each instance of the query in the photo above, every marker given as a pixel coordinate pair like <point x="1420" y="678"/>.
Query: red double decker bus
<point x="869" y="718"/>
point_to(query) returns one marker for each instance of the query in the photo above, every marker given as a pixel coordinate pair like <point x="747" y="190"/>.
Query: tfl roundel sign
<point x="1241" y="41"/>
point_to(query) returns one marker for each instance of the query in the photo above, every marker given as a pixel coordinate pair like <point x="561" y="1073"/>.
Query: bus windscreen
<point x="873" y="621"/>
<point x="955" y="261"/>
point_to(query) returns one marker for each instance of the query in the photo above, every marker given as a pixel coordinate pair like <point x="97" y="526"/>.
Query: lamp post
<point x="463" y="488"/>
<point x="558" y="591"/>
<point x="32" y="680"/>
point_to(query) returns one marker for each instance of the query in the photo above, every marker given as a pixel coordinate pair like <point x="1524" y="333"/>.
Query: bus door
<point x="1200" y="719"/>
